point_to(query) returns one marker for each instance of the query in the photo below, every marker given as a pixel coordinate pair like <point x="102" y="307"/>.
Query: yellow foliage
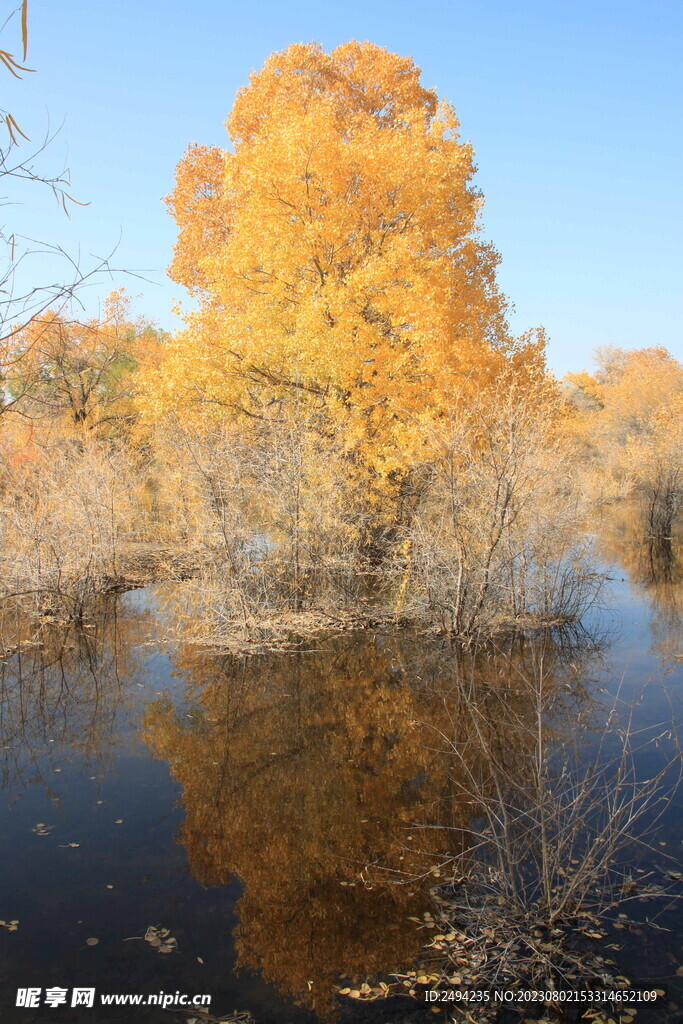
<point x="635" y="427"/>
<point x="335" y="255"/>
<point x="79" y="371"/>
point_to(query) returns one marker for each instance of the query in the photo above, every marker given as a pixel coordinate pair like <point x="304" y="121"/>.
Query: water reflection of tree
<point x="315" y="777"/>
<point x="655" y="566"/>
<point x="60" y="690"/>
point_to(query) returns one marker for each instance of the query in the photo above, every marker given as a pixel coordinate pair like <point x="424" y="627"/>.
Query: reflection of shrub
<point x="543" y="849"/>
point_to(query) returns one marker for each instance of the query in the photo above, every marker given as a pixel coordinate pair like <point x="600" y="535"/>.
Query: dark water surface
<point x="259" y="808"/>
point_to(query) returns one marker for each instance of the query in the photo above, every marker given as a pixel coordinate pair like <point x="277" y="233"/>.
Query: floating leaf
<point x="91" y="942"/>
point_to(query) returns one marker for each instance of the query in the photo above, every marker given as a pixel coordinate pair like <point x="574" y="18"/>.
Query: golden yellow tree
<point x="632" y="417"/>
<point x="80" y="372"/>
<point x="626" y="390"/>
<point x="335" y="254"/>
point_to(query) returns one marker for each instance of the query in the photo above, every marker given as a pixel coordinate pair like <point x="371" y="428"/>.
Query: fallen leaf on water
<point x="91" y="942"/>
<point x="41" y="829"/>
<point x="119" y="821"/>
<point x="160" y="939"/>
<point x="199" y="960"/>
<point x="64" y="846"/>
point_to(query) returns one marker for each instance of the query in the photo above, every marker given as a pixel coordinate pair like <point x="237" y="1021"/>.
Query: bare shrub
<point x="67" y="508"/>
<point x="479" y="538"/>
<point x="493" y="542"/>
<point x="273" y="512"/>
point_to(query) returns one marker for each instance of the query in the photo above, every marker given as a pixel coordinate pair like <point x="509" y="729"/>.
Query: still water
<point x="282" y="816"/>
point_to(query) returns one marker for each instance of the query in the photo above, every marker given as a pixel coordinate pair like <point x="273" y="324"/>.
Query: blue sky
<point x="574" y="111"/>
